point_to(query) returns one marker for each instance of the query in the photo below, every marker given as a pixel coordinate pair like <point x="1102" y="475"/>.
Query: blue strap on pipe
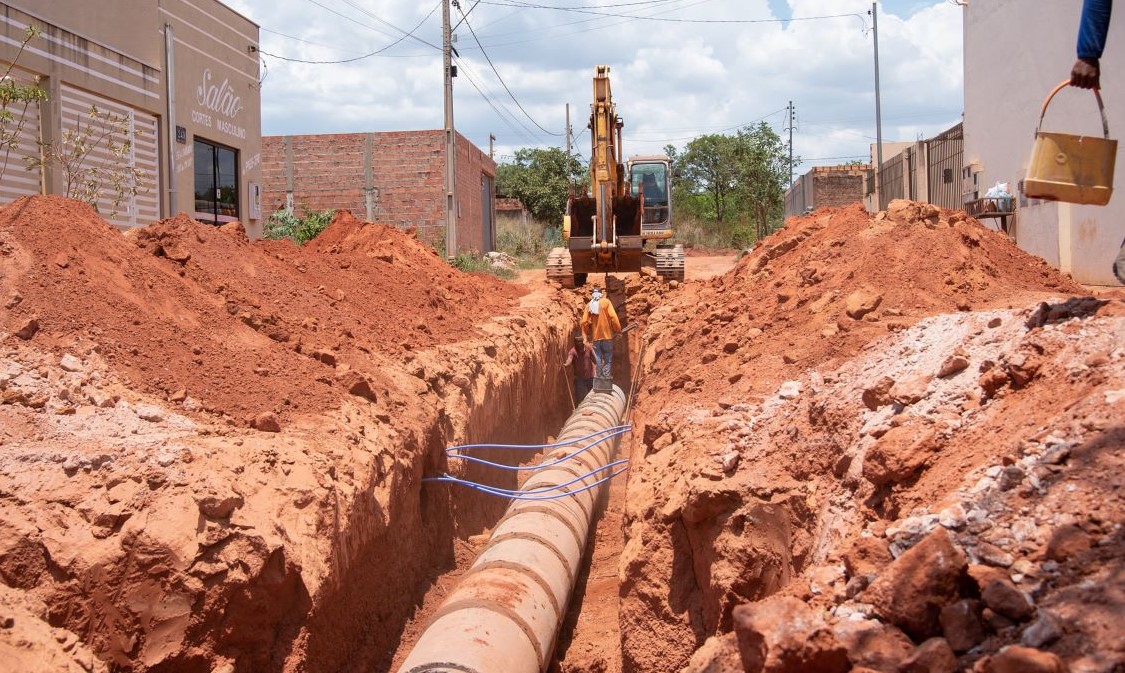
<point x="536" y="447"/>
<point x="532" y="491"/>
<point x="616" y="431"/>
<point x="517" y="495"/>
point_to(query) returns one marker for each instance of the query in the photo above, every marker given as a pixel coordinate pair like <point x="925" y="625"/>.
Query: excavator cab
<point x="628" y="204"/>
<point x="650" y="180"/>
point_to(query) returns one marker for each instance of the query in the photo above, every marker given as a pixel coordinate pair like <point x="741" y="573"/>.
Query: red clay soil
<point x="861" y="382"/>
<point x="181" y="308"/>
<point x="878" y="443"/>
<point x="786" y="305"/>
<point x="211" y="448"/>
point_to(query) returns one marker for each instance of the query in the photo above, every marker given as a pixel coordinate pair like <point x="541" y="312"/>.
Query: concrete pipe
<point x="505" y="612"/>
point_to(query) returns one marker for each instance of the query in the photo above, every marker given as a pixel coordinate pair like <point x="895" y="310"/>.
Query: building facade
<point x="1013" y="58"/>
<point x="178" y="79"/>
<point x="394" y="177"/>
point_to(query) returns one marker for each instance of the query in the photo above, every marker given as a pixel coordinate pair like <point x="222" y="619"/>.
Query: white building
<point x="1016" y="51"/>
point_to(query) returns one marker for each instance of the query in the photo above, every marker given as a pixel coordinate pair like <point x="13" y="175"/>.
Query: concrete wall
<point x="395" y="177"/>
<point x="1013" y="58"/>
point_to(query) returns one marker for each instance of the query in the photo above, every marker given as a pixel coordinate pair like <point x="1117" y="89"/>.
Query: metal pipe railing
<point x="504" y="614"/>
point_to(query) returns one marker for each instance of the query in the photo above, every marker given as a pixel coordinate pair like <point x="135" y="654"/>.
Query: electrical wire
<point x="405" y="34"/>
<point x="510" y="120"/>
<point x="598" y="25"/>
<point x="357" y="58"/>
<point x="539" y="490"/>
<point x="465" y="19"/>
<point x="577" y="10"/>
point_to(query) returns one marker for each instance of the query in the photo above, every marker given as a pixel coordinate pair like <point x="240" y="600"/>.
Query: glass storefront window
<point x="216" y="183"/>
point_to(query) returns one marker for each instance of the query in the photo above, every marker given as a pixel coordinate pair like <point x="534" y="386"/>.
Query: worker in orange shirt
<point x="601" y="326"/>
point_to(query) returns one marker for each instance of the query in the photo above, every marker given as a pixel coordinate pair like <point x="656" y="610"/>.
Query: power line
<point x="722" y="130"/>
<point x="405" y="34"/>
<point x="577" y="10"/>
<point x="484" y="53"/>
<point x="505" y="115"/>
<point x="597" y="26"/>
<point x="356" y="58"/>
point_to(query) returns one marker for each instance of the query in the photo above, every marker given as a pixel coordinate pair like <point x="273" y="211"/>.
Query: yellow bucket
<point x="1070" y="168"/>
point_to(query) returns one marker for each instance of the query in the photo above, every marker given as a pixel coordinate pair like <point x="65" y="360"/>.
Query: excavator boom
<point x="605" y="230"/>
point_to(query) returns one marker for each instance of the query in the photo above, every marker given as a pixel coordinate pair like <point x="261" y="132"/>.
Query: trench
<point x="370" y="618"/>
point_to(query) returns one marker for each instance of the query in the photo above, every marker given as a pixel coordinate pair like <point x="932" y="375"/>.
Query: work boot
<point x="1119" y="264"/>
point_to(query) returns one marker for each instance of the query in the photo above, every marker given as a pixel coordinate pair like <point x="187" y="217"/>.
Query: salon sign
<point x="218" y="105"/>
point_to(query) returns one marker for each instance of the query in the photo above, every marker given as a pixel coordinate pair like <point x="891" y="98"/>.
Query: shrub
<point x="474" y="262"/>
<point x="284" y="224"/>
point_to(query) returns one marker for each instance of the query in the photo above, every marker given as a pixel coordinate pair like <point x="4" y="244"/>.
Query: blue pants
<point x="603" y="358"/>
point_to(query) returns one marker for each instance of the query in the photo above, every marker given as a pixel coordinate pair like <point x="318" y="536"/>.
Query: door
<point x="487" y="207"/>
<point x="216" y="183"/>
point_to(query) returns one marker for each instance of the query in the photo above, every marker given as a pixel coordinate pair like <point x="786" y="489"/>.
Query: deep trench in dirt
<point x="232" y="478"/>
<point x="401" y="576"/>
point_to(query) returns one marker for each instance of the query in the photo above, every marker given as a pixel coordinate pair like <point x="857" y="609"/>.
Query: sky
<point x="679" y="69"/>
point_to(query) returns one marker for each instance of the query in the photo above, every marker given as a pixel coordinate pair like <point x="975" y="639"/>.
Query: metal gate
<point x="892" y="176"/>
<point x="945" y="152"/>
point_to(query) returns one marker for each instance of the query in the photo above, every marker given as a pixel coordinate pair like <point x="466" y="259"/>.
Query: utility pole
<point x="570" y="189"/>
<point x="568" y="130"/>
<point x="450" y="137"/>
<point x="491" y="146"/>
<point x="792" y="113"/>
<point x="878" y="109"/>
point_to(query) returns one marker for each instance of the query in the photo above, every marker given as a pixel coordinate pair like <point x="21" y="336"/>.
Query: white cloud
<point x="673" y="79"/>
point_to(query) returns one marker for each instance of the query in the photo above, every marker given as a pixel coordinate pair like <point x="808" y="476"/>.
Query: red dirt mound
<point x="819" y="289"/>
<point x="185" y="310"/>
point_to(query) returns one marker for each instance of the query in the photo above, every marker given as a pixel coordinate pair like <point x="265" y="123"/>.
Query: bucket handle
<point x="1065" y="83"/>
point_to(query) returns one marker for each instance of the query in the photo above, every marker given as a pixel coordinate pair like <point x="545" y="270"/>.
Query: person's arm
<point x="570" y="357"/>
<point x="612" y="315"/>
<point x="585" y="323"/>
<point x="1092" y="30"/>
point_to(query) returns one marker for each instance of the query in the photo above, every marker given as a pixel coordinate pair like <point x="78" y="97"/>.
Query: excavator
<point x="625" y="220"/>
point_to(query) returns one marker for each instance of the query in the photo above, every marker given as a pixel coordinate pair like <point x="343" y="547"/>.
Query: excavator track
<point x="559" y="268"/>
<point x="670" y="262"/>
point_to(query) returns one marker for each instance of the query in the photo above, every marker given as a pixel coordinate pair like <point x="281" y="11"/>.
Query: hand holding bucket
<point x="1071" y="168"/>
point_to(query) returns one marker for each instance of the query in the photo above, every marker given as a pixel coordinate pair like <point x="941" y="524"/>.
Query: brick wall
<point x="407" y="176"/>
<point x="826" y="186"/>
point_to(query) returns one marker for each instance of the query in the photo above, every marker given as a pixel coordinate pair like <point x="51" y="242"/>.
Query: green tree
<point x="708" y="166"/>
<point x="541" y="180"/>
<point x="762" y="174"/>
<point x="733" y="180"/>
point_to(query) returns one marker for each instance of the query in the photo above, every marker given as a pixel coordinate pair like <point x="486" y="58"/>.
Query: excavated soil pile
<point x="888" y="443"/>
<point x="169" y="306"/>
<point x="211" y="449"/>
<point x="828" y="283"/>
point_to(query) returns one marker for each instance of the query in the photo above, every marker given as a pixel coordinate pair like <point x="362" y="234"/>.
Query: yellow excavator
<point x="625" y="220"/>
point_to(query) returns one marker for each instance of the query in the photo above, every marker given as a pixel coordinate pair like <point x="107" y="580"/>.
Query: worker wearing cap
<point x="582" y="355"/>
<point x="600" y="325"/>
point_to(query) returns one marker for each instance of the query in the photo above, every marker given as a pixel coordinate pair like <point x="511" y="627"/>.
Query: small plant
<point x="16" y="95"/>
<point x="300" y="229"/>
<point x="94" y="160"/>
<point x="474" y="262"/>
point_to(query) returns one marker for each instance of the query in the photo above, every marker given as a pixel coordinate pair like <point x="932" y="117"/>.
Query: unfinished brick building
<point x="394" y="177"/>
<point x="827" y="186"/>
